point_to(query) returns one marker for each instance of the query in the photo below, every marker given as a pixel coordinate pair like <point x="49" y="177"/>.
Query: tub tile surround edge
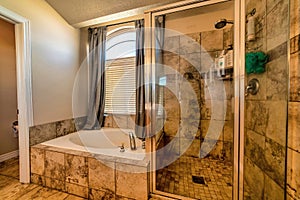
<point x="48" y="131"/>
<point x="74" y="172"/>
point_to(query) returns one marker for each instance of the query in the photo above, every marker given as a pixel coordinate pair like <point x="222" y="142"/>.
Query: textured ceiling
<point x="77" y="11"/>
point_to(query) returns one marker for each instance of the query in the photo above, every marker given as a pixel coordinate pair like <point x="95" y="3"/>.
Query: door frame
<point x="239" y="75"/>
<point x="24" y="86"/>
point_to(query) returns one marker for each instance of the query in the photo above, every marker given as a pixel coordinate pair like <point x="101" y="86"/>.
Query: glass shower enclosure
<point x="192" y="70"/>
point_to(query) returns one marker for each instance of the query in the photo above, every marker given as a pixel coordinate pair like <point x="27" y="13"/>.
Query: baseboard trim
<point x="9" y="155"/>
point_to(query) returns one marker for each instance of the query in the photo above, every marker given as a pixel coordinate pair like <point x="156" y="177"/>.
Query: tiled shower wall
<point x="293" y="158"/>
<point x="266" y="112"/>
<point x="184" y="110"/>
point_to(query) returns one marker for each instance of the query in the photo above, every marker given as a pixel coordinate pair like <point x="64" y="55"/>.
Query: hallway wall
<point x="55" y="59"/>
<point x="8" y="88"/>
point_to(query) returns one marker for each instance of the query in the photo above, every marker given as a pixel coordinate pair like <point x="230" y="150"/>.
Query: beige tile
<point x="77" y="190"/>
<point x="189" y="63"/>
<point x="101" y="194"/>
<point x="273" y="190"/>
<point x="276" y="81"/>
<point x="275" y="161"/>
<point x="189" y="127"/>
<point x="256" y="116"/>
<point x="37" y="179"/>
<point x="212" y="40"/>
<point x="127" y="179"/>
<point x="37" y="161"/>
<point x="294" y="126"/>
<point x="171" y="61"/>
<point x="54" y="165"/>
<point x="294" y="18"/>
<point x="228" y="37"/>
<point x="277" y="25"/>
<point x="254" y="179"/>
<point x="211" y="148"/>
<point x="276" y="126"/>
<point x="101" y="175"/>
<point x="72" y="197"/>
<point x="76" y="170"/>
<point x="293" y="174"/>
<point x="189" y="147"/>
<point x="228" y="131"/>
<point x="207" y="60"/>
<point x="123" y="198"/>
<point x="171" y="127"/>
<point x="295" y="76"/>
<point x="171" y="44"/>
<point x="271" y="4"/>
<point x="259" y="5"/>
<point x="65" y="127"/>
<point x="55" y="184"/>
<point x="42" y="133"/>
<point x="213" y="109"/>
<point x="189" y="43"/>
<point x="108" y="121"/>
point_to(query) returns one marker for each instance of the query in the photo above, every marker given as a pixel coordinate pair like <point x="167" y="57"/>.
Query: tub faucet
<point x="132" y="141"/>
<point x="122" y="148"/>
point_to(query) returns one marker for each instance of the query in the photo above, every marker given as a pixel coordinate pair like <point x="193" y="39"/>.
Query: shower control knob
<point x="252" y="87"/>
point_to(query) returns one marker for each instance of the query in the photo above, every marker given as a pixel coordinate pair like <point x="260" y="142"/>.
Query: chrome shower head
<point x="222" y="22"/>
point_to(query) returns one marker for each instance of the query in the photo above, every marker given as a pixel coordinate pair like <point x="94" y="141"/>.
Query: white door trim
<point x="24" y="89"/>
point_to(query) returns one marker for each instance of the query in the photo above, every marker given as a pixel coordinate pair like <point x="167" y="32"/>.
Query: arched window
<point x="120" y="71"/>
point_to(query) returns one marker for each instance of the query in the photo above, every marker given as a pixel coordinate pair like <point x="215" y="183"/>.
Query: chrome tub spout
<point x="132" y="141"/>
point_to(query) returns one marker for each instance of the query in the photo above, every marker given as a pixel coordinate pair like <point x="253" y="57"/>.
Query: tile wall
<point x="49" y="131"/>
<point x="266" y="112"/>
<point x="88" y="176"/>
<point x="192" y="56"/>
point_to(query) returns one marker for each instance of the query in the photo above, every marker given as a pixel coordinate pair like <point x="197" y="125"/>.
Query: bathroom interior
<point x="220" y="99"/>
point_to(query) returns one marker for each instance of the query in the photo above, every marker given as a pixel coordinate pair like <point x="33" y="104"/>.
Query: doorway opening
<point x="23" y="85"/>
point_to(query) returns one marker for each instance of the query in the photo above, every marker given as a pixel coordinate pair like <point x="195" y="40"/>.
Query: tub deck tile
<point x="54" y="165"/>
<point x="101" y="174"/>
<point x="76" y="170"/>
<point x="130" y="183"/>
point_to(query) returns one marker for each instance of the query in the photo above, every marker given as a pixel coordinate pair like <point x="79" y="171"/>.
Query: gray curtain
<point x="97" y="40"/>
<point x="140" y="118"/>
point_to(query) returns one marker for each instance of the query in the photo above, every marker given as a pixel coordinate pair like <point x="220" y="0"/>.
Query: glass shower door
<point x="193" y="100"/>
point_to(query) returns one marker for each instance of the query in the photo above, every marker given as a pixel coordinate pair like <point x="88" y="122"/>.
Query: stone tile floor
<point x="177" y="178"/>
<point x="12" y="189"/>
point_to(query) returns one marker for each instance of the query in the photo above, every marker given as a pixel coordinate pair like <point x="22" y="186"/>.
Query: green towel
<point x="255" y="62"/>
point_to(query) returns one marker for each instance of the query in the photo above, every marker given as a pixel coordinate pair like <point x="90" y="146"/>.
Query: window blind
<point x="120" y="91"/>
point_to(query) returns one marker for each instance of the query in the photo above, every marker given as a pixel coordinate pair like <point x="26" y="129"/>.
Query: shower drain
<point x="198" y="180"/>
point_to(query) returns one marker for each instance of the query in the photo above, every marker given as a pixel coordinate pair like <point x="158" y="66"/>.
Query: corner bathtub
<point x="89" y="164"/>
<point x="106" y="141"/>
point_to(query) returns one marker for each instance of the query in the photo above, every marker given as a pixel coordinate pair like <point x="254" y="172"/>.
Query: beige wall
<point x="8" y="87"/>
<point x="55" y="59"/>
<point x="200" y="19"/>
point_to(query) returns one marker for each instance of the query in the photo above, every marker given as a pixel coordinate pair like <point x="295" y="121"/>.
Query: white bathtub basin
<point x="106" y="141"/>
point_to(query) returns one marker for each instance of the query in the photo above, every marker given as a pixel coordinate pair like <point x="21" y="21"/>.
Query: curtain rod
<point x="117" y="23"/>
